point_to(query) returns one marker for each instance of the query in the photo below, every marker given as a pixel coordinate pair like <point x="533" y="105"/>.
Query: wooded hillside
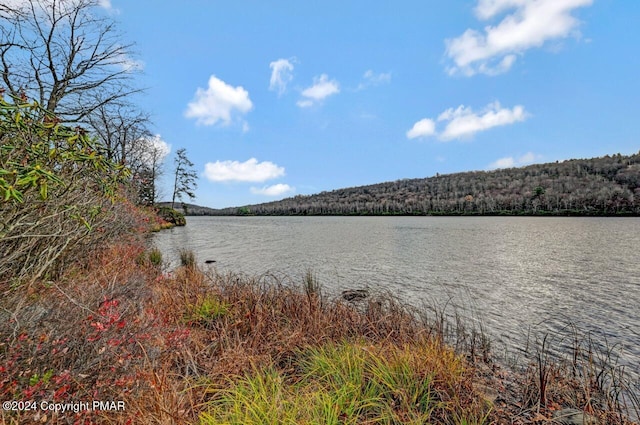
<point x="607" y="185"/>
<point x="188" y="209"/>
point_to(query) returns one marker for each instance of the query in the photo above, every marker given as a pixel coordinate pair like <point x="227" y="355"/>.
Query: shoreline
<point x="435" y="214"/>
<point x="170" y="346"/>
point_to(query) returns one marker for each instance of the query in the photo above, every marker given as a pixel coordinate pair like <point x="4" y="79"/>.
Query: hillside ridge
<point x="608" y="185"/>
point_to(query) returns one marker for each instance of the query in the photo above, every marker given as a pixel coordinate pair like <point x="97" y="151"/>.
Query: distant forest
<point x="608" y="185"/>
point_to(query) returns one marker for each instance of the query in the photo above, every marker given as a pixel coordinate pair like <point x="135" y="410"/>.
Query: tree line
<point x="608" y="185"/>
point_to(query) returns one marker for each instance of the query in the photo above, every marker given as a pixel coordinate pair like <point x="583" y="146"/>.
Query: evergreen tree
<point x="185" y="181"/>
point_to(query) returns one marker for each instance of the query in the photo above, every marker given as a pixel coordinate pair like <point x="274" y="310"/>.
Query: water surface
<point x="517" y="274"/>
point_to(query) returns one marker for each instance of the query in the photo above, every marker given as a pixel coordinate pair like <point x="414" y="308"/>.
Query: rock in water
<point x="355" y="294"/>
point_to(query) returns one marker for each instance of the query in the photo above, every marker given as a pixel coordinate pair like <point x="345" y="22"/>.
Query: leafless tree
<point x="119" y="127"/>
<point x="150" y="154"/>
<point x="66" y="54"/>
<point x="69" y="56"/>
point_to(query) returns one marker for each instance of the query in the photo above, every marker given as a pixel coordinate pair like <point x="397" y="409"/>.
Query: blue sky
<point x="275" y="99"/>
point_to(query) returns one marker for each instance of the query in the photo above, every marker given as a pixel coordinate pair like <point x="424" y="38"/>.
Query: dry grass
<point x="588" y="376"/>
<point x="171" y="346"/>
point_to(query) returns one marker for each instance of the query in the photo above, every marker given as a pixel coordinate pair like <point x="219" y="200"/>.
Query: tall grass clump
<point x="155" y="257"/>
<point x="187" y="258"/>
<point x="312" y="288"/>
<point x="208" y="310"/>
<point x="586" y="374"/>
<point x="351" y="382"/>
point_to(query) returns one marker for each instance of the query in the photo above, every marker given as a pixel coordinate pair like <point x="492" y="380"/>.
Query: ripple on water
<point x="516" y="274"/>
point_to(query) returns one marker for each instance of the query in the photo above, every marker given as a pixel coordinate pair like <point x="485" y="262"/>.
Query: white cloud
<point x="248" y="171"/>
<point x="462" y="122"/>
<point x="152" y="150"/>
<point x="509" y="161"/>
<point x="218" y="102"/>
<point x="372" y="79"/>
<point x="529" y="24"/>
<point x="304" y="103"/>
<point x="274" y="190"/>
<point x="423" y="128"/>
<point x="321" y="89"/>
<point x="12" y="4"/>
<point x="160" y="145"/>
<point x="9" y="7"/>
<point x="506" y="162"/>
<point x="281" y="75"/>
<point x="127" y="63"/>
<point x="105" y="4"/>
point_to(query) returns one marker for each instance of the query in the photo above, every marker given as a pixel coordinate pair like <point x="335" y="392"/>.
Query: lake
<point x="515" y="274"/>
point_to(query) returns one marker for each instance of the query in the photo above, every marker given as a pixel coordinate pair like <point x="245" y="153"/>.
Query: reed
<point x="585" y="374"/>
<point x="187" y="258"/>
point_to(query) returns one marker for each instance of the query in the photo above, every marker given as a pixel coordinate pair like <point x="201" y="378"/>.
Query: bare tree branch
<point x="67" y="54"/>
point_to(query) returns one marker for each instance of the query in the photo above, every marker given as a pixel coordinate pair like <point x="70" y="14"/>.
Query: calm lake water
<point x="517" y="274"/>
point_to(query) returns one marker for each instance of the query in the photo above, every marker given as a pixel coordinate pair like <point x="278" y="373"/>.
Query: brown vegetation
<point x="177" y="347"/>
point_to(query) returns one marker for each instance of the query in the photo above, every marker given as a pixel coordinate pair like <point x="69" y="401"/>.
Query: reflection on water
<point x="517" y="274"/>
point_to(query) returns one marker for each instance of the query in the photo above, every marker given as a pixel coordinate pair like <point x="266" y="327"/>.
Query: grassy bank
<point x="199" y="347"/>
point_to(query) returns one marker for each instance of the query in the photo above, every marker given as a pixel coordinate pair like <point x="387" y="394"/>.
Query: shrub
<point x="56" y="193"/>
<point x="172" y="216"/>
